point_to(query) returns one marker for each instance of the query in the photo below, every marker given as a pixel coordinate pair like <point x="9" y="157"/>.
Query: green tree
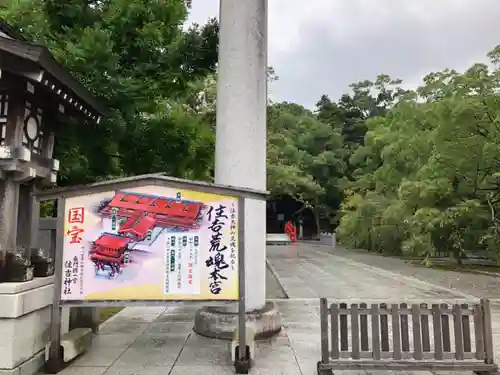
<point x="305" y="159"/>
<point x="426" y="177"/>
<point x="137" y="58"/>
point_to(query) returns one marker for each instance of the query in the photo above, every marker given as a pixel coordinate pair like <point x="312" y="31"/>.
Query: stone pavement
<point x="313" y="272"/>
<point x="159" y="341"/>
<point x="151" y="341"/>
<point x="473" y="284"/>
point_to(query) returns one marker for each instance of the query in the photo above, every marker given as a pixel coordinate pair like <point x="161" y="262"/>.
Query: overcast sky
<point x="320" y="46"/>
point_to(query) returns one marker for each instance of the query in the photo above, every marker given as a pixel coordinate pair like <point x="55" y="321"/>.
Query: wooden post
<point x="438" y="332"/>
<point x="54" y="363"/>
<point x="334" y="327"/>
<point x="479" y="331"/>
<point x="488" y="333"/>
<point x="396" y="332"/>
<point x="376" y="332"/>
<point x="355" y="331"/>
<point x="458" y="332"/>
<point x="324" y="330"/>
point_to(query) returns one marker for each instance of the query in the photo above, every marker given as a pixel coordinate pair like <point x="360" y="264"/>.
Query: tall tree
<point x="305" y="159"/>
<point x="136" y="56"/>
<point x="426" y="180"/>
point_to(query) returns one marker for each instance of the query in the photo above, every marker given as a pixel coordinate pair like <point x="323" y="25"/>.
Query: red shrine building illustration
<point x="167" y="212"/>
<point x="139" y="215"/>
<point x="137" y="227"/>
<point x="109" y="250"/>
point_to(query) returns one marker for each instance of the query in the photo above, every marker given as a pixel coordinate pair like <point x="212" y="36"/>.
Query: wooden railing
<point x="441" y="337"/>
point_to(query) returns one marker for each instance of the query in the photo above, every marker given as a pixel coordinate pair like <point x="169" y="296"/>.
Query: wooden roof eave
<point x="36" y="63"/>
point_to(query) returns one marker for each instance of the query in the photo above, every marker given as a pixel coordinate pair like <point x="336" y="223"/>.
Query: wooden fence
<point x="406" y="337"/>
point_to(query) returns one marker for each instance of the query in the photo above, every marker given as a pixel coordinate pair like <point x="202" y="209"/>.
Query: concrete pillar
<point x="240" y="155"/>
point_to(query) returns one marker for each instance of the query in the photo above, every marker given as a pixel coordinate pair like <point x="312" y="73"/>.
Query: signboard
<point x="150" y="243"/>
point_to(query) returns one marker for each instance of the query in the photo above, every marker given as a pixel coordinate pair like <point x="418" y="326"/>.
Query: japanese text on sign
<point x="182" y="264"/>
<point x="82" y="261"/>
<point x="216" y="261"/>
<point x="232" y="242"/>
<point x="67" y="277"/>
<point x="73" y="269"/>
<point x="70" y="275"/>
<point x="76" y="215"/>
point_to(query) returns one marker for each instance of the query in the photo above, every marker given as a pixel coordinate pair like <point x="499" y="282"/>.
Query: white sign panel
<point x="182" y="272"/>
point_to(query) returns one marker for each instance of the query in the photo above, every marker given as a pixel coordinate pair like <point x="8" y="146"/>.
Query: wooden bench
<point x="377" y="337"/>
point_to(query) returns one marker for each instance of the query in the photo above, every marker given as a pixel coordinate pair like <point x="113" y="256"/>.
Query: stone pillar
<point x="9" y="199"/>
<point x="240" y="156"/>
<point x="9" y="189"/>
<point x="28" y="216"/>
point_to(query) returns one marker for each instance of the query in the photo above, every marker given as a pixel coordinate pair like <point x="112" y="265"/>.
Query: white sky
<point x="321" y="46"/>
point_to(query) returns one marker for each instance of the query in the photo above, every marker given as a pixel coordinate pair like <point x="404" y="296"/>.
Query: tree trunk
<point x="457" y="255"/>
<point x="316" y="220"/>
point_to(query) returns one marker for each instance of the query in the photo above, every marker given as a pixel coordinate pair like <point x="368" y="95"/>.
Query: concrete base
<point x="250" y="343"/>
<point x="220" y="322"/>
<point x="24" y="324"/>
<point x="31" y="366"/>
<point x="73" y="344"/>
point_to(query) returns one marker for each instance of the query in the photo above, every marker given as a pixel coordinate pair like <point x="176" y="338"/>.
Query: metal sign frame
<point x="55" y="363"/>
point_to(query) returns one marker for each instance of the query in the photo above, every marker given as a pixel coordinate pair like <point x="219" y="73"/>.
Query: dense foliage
<point x="402" y="172"/>
<point x="426" y="178"/>
<point x="135" y="56"/>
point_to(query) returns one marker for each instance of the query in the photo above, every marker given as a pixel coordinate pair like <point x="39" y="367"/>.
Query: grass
<point x="468" y="268"/>
<point x="442" y="264"/>
<point x="108" y="312"/>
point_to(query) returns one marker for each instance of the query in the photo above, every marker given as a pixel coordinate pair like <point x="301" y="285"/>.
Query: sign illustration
<point x="150" y="243"/>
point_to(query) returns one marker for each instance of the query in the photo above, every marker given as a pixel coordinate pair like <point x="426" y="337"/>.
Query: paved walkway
<point x="154" y="341"/>
<point x="473" y="284"/>
<point x="315" y="272"/>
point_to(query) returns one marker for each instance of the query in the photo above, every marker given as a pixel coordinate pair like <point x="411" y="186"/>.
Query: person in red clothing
<point x="291" y="231"/>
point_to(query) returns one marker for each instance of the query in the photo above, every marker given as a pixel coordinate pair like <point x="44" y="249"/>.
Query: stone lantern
<point x="37" y="97"/>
